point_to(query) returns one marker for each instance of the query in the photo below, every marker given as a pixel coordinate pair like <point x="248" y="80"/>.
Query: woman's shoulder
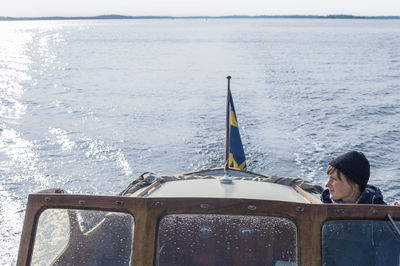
<point x="371" y="195"/>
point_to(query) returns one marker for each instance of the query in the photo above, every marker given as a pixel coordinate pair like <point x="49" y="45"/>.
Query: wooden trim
<point x="308" y="197"/>
<point x="144" y="192"/>
<point x="27" y="236"/>
<point x="147" y="212"/>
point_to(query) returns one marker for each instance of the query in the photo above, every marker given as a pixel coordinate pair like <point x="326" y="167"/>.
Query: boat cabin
<point x="207" y="218"/>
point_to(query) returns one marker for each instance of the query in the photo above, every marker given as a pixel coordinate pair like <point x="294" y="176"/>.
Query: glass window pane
<point x="360" y="242"/>
<point x="225" y="240"/>
<point x="80" y="237"/>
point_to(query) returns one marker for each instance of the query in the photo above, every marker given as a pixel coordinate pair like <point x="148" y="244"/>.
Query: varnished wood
<point x="144" y="192"/>
<point x="308" y="197"/>
<point x="147" y="212"/>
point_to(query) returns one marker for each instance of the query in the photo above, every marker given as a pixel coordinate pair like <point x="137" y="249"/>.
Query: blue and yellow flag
<point x="237" y="159"/>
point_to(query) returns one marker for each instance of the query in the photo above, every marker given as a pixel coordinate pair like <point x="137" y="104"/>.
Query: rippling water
<point x="89" y="105"/>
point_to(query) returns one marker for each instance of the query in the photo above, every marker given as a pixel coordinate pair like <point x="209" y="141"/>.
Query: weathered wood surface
<point x="147" y="212"/>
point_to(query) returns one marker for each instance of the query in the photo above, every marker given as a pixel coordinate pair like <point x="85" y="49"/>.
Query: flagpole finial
<point x="228" y="77"/>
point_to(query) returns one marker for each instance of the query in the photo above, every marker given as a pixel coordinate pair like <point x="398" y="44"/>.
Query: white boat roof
<point x="213" y="188"/>
<point x="216" y="184"/>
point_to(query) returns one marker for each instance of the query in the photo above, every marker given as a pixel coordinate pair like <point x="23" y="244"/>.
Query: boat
<point x="219" y="216"/>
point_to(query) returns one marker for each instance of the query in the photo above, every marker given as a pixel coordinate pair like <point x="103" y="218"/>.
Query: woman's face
<point x="339" y="189"/>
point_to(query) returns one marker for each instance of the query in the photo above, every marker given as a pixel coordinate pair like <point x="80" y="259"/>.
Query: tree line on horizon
<point x="199" y="17"/>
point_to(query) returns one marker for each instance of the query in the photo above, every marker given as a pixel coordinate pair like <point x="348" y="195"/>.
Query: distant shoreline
<point x="198" y="17"/>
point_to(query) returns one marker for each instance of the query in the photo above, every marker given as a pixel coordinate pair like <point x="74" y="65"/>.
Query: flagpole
<point x="227" y="124"/>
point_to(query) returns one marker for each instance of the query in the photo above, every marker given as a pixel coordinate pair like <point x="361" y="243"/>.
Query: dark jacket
<point x="359" y="242"/>
<point x="371" y="195"/>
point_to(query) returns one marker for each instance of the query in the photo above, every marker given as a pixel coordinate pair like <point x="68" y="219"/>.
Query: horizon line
<point x="116" y="16"/>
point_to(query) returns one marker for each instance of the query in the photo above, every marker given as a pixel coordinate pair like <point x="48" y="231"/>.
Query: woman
<point x="361" y="242"/>
<point x="348" y="176"/>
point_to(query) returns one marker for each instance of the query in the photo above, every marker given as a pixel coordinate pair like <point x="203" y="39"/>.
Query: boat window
<point x="360" y="242"/>
<point x="226" y="240"/>
<point x="83" y="237"/>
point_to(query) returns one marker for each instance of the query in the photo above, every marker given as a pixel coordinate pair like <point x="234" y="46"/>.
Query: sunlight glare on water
<point x="15" y="152"/>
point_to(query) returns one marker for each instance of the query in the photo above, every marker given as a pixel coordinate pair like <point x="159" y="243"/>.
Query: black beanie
<point x="354" y="166"/>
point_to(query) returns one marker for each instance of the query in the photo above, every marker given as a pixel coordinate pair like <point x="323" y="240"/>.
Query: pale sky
<point x="35" y="8"/>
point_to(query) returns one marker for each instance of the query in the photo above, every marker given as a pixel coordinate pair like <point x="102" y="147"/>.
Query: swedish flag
<point x="237" y="159"/>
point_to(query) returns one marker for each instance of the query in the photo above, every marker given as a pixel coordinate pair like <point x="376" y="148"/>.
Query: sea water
<point x="88" y="106"/>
